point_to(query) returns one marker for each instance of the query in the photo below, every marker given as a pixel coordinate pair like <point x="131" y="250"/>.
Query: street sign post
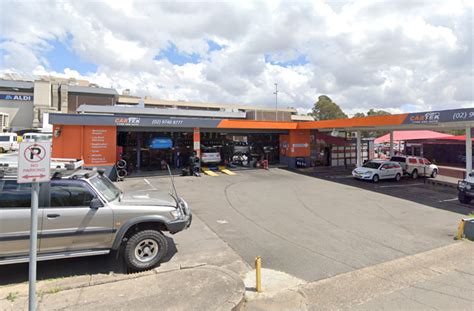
<point x="34" y="164"/>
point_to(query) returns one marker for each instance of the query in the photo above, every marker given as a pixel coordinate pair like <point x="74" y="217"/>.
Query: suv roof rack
<point x="9" y="167"/>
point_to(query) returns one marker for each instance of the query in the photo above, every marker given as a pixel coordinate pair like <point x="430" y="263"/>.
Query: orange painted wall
<point x="298" y="142"/>
<point x="96" y="145"/>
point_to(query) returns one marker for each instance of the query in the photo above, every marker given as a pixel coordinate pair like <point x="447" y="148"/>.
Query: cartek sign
<point x="34" y="162"/>
<point x="16" y="97"/>
<point x="127" y="121"/>
<point x="435" y="117"/>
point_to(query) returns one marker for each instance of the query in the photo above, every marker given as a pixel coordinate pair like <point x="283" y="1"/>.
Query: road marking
<point x="149" y="184"/>
<point x="222" y="221"/>
<point x="449" y="200"/>
<point x="393" y="186"/>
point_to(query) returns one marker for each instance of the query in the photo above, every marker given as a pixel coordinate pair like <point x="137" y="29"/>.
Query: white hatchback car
<point x="375" y="170"/>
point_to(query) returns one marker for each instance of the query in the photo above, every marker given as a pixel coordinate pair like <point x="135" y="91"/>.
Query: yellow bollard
<point x="460" y="230"/>
<point x="258" y="270"/>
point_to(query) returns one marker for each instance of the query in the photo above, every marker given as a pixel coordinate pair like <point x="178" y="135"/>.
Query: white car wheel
<point x="375" y="178"/>
<point x="398" y="177"/>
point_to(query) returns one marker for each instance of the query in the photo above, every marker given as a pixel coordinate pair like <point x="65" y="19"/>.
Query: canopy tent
<point x="461" y="138"/>
<point x="412" y="135"/>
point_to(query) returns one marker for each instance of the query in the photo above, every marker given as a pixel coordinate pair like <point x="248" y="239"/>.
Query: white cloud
<point x="391" y="55"/>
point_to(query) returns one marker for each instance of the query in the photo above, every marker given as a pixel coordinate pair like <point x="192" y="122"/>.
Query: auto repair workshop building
<point x="101" y="126"/>
<point x="148" y="136"/>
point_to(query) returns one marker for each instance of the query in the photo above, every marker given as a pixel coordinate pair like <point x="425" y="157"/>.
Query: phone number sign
<point x="34" y="162"/>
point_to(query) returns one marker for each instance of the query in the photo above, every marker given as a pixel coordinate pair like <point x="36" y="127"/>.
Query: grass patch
<point x="53" y="290"/>
<point x="12" y="296"/>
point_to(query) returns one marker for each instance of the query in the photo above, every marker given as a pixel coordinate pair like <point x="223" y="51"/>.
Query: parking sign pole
<point x="33" y="244"/>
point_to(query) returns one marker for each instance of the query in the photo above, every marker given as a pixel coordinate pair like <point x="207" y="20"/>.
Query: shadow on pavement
<point x="417" y="191"/>
<point x="54" y="269"/>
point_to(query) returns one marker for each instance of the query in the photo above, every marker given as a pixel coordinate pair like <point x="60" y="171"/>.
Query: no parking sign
<point x="34" y="165"/>
<point x="34" y="160"/>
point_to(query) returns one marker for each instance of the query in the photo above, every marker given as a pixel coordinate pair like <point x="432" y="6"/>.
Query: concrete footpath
<point x="201" y="273"/>
<point x="199" y="288"/>
<point x="440" y="279"/>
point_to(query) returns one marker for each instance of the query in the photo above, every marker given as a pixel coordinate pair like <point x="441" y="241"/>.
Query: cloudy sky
<point x="393" y="55"/>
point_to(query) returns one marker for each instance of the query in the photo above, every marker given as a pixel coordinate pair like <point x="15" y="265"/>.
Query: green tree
<point x="326" y="109"/>
<point x="373" y="112"/>
<point x="359" y="115"/>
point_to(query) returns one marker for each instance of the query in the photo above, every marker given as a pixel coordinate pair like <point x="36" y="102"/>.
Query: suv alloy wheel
<point x="375" y="178"/>
<point x="398" y="177"/>
<point x="145" y="249"/>
<point x="434" y="173"/>
<point x="414" y="174"/>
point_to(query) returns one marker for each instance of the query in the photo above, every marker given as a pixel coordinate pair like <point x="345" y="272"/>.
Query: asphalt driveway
<point x="313" y="228"/>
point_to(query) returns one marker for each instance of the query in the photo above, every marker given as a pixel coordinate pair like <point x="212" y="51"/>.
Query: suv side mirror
<point x="471" y="174"/>
<point x="95" y="203"/>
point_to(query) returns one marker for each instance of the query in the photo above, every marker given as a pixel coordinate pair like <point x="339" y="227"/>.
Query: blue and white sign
<point x="16" y="97"/>
<point x="161" y="143"/>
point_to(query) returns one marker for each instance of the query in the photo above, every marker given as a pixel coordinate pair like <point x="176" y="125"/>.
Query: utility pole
<point x="276" y="101"/>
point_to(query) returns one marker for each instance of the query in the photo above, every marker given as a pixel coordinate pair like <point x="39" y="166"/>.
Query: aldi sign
<point x="27" y="98"/>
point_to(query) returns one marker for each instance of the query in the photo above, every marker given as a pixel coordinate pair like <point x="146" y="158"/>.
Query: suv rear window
<point x="398" y="159"/>
<point x="13" y="194"/>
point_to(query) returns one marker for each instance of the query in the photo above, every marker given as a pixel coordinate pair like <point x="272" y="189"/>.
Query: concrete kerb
<point x="441" y="183"/>
<point x="49" y="287"/>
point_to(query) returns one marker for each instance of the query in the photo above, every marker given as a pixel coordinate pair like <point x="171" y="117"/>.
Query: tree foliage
<point x="359" y="115"/>
<point x="326" y="109"/>
<point x="372" y="113"/>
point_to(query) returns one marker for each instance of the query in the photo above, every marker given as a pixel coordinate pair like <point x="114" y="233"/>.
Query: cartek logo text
<point x="127" y="121"/>
<point x="429" y="117"/>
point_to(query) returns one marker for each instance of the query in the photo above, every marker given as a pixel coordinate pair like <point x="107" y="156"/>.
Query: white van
<point x="8" y="142"/>
<point x="32" y="137"/>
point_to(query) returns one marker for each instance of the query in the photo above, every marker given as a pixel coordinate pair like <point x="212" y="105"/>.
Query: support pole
<point x="33" y="245"/>
<point x="139" y="150"/>
<point x="468" y="150"/>
<point x="391" y="143"/>
<point x="358" y="149"/>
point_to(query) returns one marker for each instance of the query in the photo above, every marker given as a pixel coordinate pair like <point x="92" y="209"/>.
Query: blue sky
<point x="235" y="53"/>
<point x="61" y="56"/>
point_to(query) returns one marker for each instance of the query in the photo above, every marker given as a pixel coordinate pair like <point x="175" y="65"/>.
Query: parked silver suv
<point x="83" y="213"/>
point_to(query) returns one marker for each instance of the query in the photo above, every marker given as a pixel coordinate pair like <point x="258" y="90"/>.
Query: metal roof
<point x="91" y="90"/>
<point x="161" y="112"/>
<point x="412" y="135"/>
<point x="16" y="84"/>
